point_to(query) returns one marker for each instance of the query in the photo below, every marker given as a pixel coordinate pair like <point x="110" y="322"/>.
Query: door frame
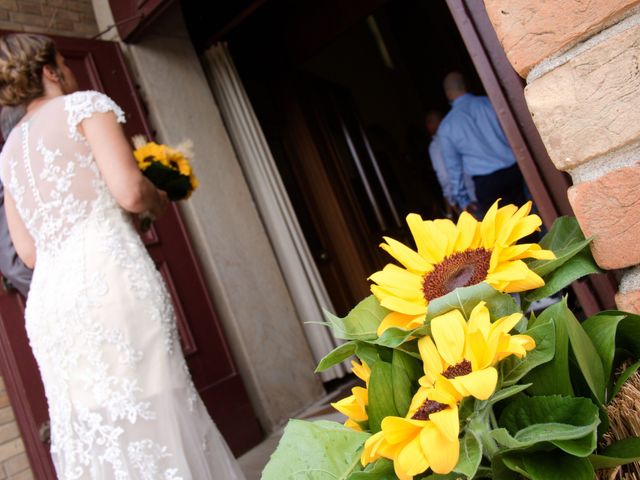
<point x="505" y="89"/>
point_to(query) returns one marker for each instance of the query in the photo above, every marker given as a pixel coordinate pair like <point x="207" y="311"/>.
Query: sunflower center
<point x="461" y="269"/>
<point x="458" y="370"/>
<point x="427" y="408"/>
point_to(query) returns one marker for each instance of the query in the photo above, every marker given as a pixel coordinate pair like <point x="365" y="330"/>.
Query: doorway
<point x="341" y="93"/>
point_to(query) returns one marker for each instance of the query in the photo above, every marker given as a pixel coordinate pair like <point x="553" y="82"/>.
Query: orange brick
<point x="589" y="106"/>
<point x="17" y="464"/>
<point x="531" y="31"/>
<point x="629" y="302"/>
<point x="609" y="210"/>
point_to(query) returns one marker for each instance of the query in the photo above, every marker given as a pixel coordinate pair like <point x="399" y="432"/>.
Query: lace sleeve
<point x="81" y="105"/>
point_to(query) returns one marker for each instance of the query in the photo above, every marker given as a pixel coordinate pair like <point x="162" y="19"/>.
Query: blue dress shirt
<point x="437" y="162"/>
<point x="472" y="143"/>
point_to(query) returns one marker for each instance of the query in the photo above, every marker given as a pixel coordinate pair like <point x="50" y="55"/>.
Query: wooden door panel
<point x="99" y="65"/>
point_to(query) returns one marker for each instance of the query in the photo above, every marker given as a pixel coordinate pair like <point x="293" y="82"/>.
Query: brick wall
<point x="71" y="18"/>
<point x="14" y="464"/>
<point x="581" y="62"/>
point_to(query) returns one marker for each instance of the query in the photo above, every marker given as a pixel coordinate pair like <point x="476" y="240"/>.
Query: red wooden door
<point x="100" y="66"/>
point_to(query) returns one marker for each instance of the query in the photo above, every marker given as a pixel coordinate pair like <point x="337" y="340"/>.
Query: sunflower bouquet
<point x="168" y="168"/>
<point x="460" y="379"/>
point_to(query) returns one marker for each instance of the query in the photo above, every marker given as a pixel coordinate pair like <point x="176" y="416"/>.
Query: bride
<point x="99" y="319"/>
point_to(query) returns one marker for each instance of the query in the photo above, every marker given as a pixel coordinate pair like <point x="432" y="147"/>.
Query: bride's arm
<point x="20" y="236"/>
<point x="132" y="190"/>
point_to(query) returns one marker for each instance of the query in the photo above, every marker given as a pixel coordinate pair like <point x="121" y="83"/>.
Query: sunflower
<point x="453" y="255"/>
<point x="148" y="152"/>
<point x="354" y="407"/>
<point x="426" y="438"/>
<point x="465" y="352"/>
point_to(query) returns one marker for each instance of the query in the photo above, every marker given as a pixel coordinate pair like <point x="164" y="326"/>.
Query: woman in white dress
<point x="100" y="322"/>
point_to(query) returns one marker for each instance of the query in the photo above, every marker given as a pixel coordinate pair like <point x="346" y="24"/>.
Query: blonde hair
<point x="22" y="59"/>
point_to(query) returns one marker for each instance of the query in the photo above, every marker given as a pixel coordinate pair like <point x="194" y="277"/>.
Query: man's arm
<point x="453" y="162"/>
<point x="439" y="167"/>
<point x="11" y="267"/>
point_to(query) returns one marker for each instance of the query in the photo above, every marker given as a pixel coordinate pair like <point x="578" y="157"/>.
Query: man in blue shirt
<point x="432" y="122"/>
<point x="473" y="143"/>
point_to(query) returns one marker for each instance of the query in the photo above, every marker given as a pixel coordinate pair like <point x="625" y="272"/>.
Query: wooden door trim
<point x="38" y="454"/>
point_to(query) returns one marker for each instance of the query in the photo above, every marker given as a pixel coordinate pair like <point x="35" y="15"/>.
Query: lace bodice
<point x="47" y="167"/>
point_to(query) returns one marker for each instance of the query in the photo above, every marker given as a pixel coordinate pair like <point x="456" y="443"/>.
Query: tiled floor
<point x="254" y="460"/>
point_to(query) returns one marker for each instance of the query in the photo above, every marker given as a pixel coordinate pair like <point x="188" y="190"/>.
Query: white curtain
<point x="299" y="269"/>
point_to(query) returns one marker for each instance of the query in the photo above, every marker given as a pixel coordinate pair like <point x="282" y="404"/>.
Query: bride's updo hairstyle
<point x="22" y="58"/>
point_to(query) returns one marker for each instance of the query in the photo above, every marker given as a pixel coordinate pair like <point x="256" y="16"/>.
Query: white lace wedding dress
<point x="121" y="401"/>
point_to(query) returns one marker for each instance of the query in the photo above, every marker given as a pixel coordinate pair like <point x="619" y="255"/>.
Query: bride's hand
<point x="160" y="205"/>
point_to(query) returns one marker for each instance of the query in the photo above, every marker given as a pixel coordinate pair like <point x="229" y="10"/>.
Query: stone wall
<point x="581" y="60"/>
<point x="71" y="18"/>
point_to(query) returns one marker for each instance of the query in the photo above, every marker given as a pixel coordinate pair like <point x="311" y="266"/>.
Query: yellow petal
<point x="353" y="425"/>
<point x="403" y="306"/>
<point x="479" y="320"/>
<point x="393" y="275"/>
<point x="447" y="422"/>
<point x="371" y="447"/>
<point x="350" y="407"/>
<point x="480" y="384"/>
<point x="417" y="401"/>
<point x="518" y="345"/>
<point x="407" y="257"/>
<point x="362" y="370"/>
<point x="438" y="241"/>
<point x="422" y="238"/>
<point x="506" y="324"/>
<point x="448" y="332"/>
<point x="524" y="227"/>
<point x="478" y="351"/>
<point x="432" y="362"/>
<point x="400" y="320"/>
<point x="442" y="454"/>
<point x="450" y="233"/>
<point x="398" y="290"/>
<point x="488" y="227"/>
<point x="400" y="430"/>
<point x="467" y="229"/>
<point x="411" y="459"/>
<point x="503" y="217"/>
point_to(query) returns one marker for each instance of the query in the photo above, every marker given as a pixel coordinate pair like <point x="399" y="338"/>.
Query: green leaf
<point x="556" y="466"/>
<point x="504" y="393"/>
<point x="602" y="330"/>
<point x="466" y="298"/>
<point x="393" y="337"/>
<point x="381" y="396"/>
<point x="337" y="355"/>
<point x="381" y="469"/>
<point x="624" y="376"/>
<point x="574" y="268"/>
<point x="367" y="352"/>
<point x="361" y="323"/>
<point x="586" y="355"/>
<point x="513" y="369"/>
<point x="404" y="379"/>
<point x="315" y="451"/>
<point x="618" y="453"/>
<point x="470" y="455"/>
<point x="527" y="421"/>
<point x="565" y="239"/>
<point x="553" y="377"/>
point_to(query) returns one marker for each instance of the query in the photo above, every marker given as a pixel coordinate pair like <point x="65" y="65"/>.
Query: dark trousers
<point x="506" y="184"/>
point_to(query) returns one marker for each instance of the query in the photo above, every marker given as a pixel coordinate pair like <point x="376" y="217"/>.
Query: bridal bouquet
<point x="460" y="381"/>
<point x="168" y="168"/>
